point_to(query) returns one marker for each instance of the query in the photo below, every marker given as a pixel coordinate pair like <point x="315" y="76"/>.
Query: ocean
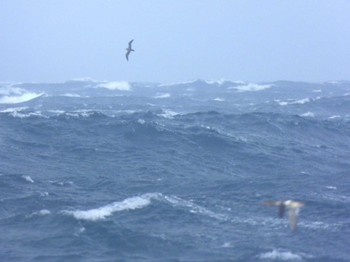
<point x="118" y="171"/>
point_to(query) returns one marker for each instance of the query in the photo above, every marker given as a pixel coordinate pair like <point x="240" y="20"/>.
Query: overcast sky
<point x="175" y="40"/>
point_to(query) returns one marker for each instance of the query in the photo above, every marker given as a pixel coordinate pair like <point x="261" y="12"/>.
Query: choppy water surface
<point x="117" y="171"/>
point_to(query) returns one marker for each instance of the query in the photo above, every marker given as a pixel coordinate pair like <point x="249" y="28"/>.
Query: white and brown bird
<point x="293" y="208"/>
<point x="128" y="50"/>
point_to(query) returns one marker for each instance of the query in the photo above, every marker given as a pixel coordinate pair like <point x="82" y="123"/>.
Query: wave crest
<point x="106" y="211"/>
<point x="280" y="255"/>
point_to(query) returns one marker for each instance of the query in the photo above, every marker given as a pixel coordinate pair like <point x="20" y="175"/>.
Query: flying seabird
<point x="128" y="50"/>
<point x="293" y="210"/>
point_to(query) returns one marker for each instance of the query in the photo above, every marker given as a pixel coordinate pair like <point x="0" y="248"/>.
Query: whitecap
<point x="168" y="114"/>
<point x="139" y="202"/>
<point x="42" y="212"/>
<point x="334" y="117"/>
<point x="162" y="95"/>
<point x="219" y="99"/>
<point x="280" y="255"/>
<point x="13" y="109"/>
<point x="25" y="115"/>
<point x="302" y="101"/>
<point x="61" y="183"/>
<point x="106" y="211"/>
<point x="218" y="82"/>
<point x="332" y="187"/>
<point x="28" y="179"/>
<point x="308" y="114"/>
<point x="223" y="81"/>
<point x="281" y="103"/>
<point x="291" y="101"/>
<point x="81" y="113"/>
<point x="25" y="97"/>
<point x="12" y="95"/>
<point x="121" y="86"/>
<point x="141" y="121"/>
<point x="250" y="87"/>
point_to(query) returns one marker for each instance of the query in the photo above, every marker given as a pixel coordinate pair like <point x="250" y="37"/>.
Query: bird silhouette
<point x="293" y="208"/>
<point x="128" y="50"/>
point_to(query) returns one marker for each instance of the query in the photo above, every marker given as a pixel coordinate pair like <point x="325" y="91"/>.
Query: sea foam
<point x="162" y="95"/>
<point x="42" y="212"/>
<point x="19" y="98"/>
<point x="107" y="210"/>
<point x="292" y="102"/>
<point x="28" y="179"/>
<point x="280" y="255"/>
<point x="121" y="86"/>
<point x="13" y="95"/>
<point x="251" y="87"/>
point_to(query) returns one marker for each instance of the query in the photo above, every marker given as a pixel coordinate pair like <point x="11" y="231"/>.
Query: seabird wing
<point x="271" y="203"/>
<point x="130" y="43"/>
<point x="293" y="217"/>
<point x="127" y="55"/>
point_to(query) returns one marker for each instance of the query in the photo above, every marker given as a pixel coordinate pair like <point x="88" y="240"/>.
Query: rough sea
<point x="117" y="171"/>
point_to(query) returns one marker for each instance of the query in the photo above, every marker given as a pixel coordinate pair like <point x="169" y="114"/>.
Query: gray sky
<point x="175" y="40"/>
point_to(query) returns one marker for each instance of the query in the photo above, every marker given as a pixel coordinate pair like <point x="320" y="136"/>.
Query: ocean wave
<point x="23" y="112"/>
<point x="251" y="87"/>
<point x="334" y="117"/>
<point x="43" y="212"/>
<point x="85" y="113"/>
<point x="162" y="95"/>
<point x="61" y="183"/>
<point x="168" y="114"/>
<point x="11" y="94"/>
<point x="139" y="202"/>
<point x="13" y="109"/>
<point x="16" y="99"/>
<point x="95" y="163"/>
<point x="218" y="99"/>
<point x="106" y="211"/>
<point x="294" y="101"/>
<point x="121" y="86"/>
<point x="278" y="254"/>
<point x="308" y="114"/>
<point x="28" y="179"/>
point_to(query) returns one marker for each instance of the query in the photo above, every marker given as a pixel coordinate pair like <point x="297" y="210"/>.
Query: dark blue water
<point x="115" y="171"/>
